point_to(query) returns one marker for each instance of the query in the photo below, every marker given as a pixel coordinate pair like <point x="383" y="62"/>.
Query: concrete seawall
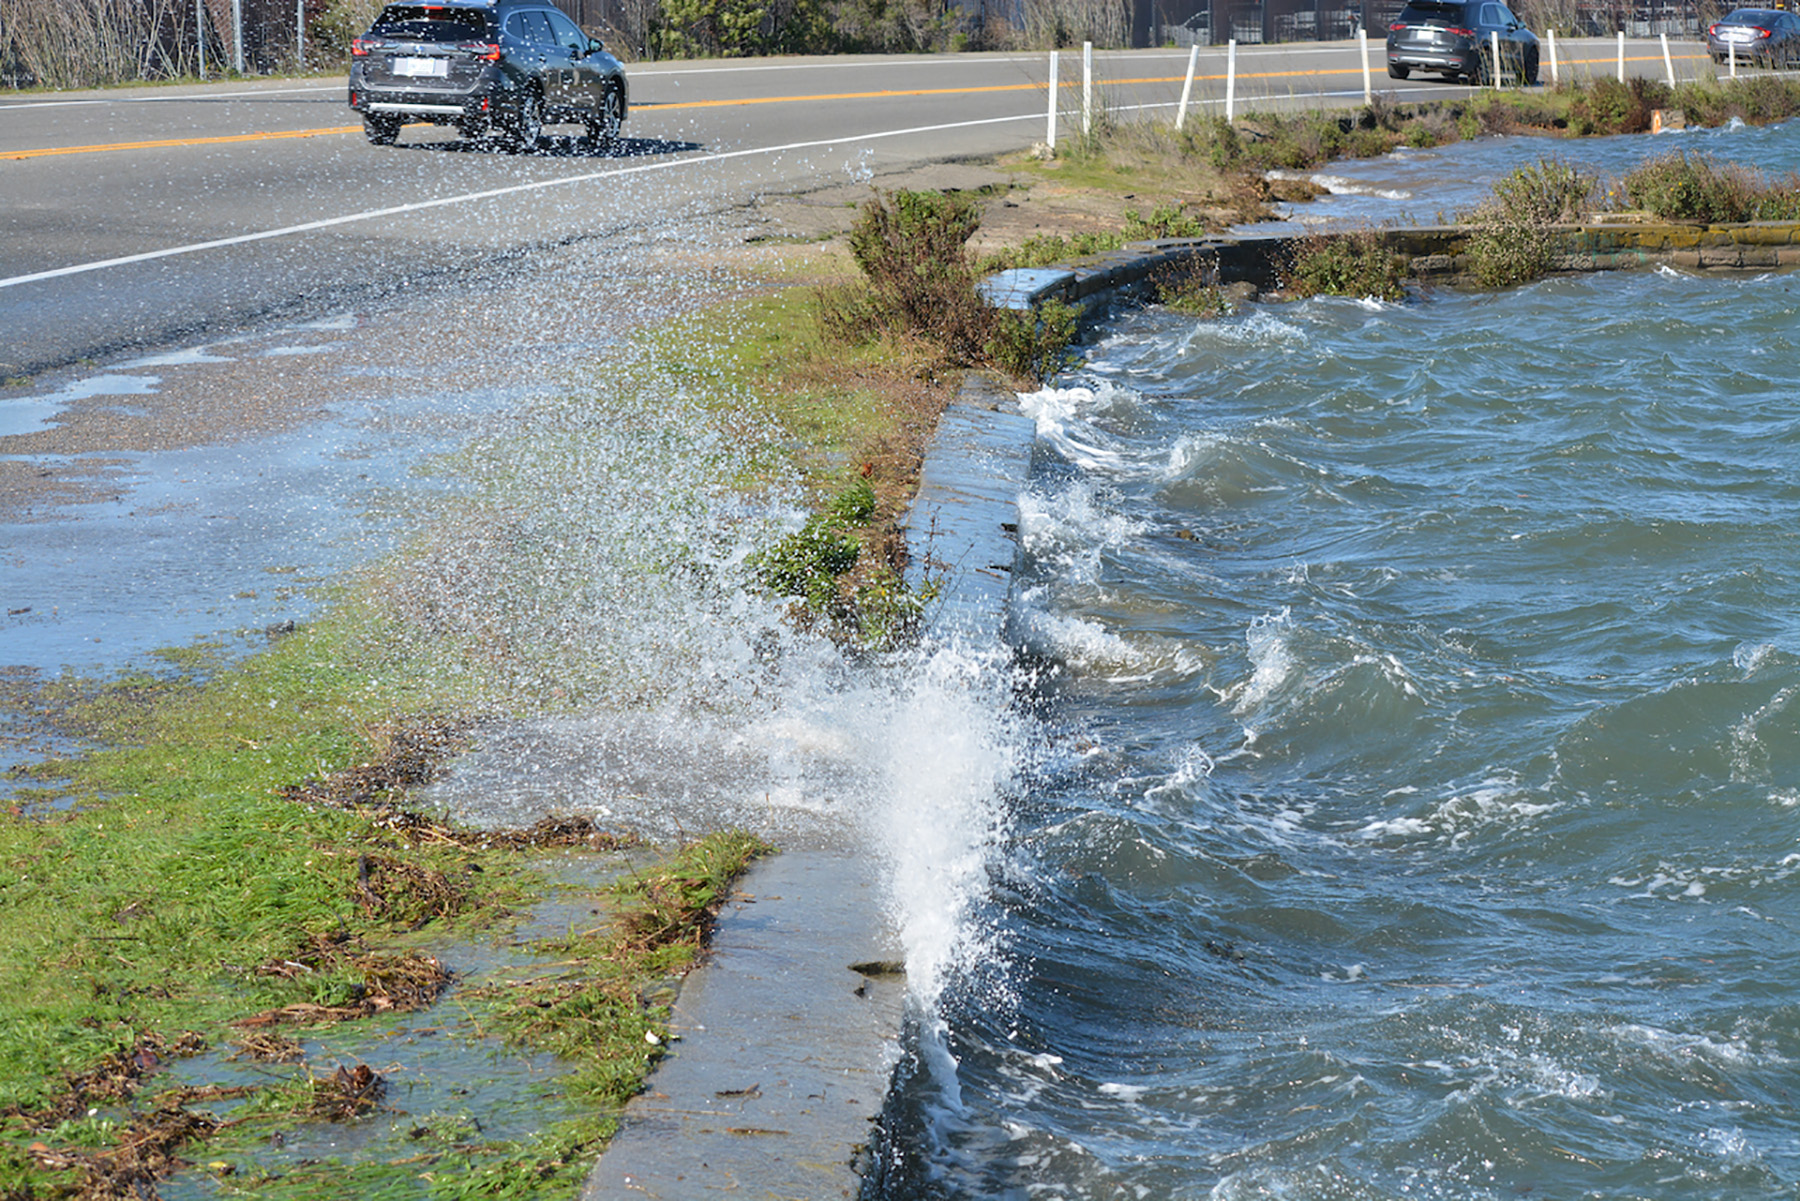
<point x="1435" y="254"/>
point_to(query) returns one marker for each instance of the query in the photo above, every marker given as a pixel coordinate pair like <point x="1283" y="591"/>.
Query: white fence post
<point x="1732" y="47"/>
<point x="1555" y="76"/>
<point x="1621" y="56"/>
<point x="1494" y="45"/>
<point x="1087" y="88"/>
<point x="1187" y="87"/>
<point x="300" y="35"/>
<point x="1362" y="36"/>
<point x="1231" y="79"/>
<point x="1668" y="63"/>
<point x="1050" y="134"/>
<point x="200" y="35"/>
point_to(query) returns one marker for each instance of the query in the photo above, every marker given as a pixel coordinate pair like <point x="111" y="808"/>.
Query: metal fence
<point x="1214" y="22"/>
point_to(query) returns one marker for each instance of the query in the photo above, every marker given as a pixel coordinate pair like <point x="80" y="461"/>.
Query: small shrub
<point x="1193" y="288"/>
<point x="1165" y="221"/>
<point x="1513" y="241"/>
<point x="806" y="564"/>
<point x="1680" y="187"/>
<point x="1548" y="191"/>
<point x="1355" y="264"/>
<point x="1754" y="99"/>
<point x="1041" y="250"/>
<point x="823" y="569"/>
<point x="911" y="248"/>
<point x="1032" y="345"/>
<point x="1610" y="107"/>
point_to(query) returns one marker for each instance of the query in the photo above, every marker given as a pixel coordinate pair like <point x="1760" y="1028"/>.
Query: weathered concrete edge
<point x="1436" y="253"/>
<point x="962" y="527"/>
<point x="785" y="1052"/>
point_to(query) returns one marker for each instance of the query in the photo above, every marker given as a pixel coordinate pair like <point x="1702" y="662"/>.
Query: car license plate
<point x="439" y="67"/>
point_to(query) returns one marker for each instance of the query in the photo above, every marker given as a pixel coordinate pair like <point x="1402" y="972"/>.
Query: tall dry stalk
<point x="1044" y="24"/>
<point x="92" y="43"/>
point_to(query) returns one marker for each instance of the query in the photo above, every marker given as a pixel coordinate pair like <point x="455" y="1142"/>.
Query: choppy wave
<point x="1421" y="681"/>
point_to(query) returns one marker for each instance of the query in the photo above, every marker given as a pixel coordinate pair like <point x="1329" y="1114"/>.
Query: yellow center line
<point x="236" y="137"/>
<point x="824" y="98"/>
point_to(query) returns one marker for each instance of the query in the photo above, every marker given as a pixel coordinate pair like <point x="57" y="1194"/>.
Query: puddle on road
<point x="205" y="492"/>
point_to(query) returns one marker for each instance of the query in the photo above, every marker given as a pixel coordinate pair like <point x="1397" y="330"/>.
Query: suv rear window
<point x="1422" y="12"/>
<point x="430" y="22"/>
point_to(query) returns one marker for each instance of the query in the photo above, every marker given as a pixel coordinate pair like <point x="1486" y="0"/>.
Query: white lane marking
<point x="333" y="89"/>
<point x="491" y="193"/>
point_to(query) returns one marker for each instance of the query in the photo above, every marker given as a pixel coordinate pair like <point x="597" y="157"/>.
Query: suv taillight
<point x="487" y="51"/>
<point x="360" y="47"/>
<point x="1461" y="33"/>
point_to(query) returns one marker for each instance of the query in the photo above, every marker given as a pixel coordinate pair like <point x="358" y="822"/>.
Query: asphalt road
<point x="136" y="217"/>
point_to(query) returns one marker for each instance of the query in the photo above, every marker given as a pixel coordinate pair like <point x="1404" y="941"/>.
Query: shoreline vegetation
<point x="230" y="858"/>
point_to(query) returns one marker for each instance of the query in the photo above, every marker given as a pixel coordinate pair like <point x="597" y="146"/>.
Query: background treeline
<point x="95" y="43"/>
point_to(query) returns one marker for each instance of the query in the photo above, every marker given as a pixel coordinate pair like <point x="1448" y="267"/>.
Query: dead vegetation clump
<point x="403" y="893"/>
<point x="267" y="1046"/>
<point x="345" y="1095"/>
<point x="114" y="1078"/>
<point x="408" y="753"/>
<point x="389" y="984"/>
<point x="145" y="1153"/>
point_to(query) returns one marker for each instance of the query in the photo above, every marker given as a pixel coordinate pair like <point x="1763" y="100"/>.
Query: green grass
<point x="146" y="882"/>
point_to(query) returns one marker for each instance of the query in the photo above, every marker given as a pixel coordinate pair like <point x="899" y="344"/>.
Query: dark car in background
<point x="498" y="70"/>
<point x="1756" y="36"/>
<point x="1455" y="39"/>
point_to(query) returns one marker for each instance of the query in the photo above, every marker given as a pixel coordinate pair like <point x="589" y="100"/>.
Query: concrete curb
<point x="963" y="526"/>
<point x="789" y="1033"/>
<point x="784" y="1049"/>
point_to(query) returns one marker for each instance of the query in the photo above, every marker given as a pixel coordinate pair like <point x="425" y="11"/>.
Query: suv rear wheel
<point x="381" y="131"/>
<point x="528" y="124"/>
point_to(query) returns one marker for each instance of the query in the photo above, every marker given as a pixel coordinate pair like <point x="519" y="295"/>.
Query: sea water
<point x="1416" y="804"/>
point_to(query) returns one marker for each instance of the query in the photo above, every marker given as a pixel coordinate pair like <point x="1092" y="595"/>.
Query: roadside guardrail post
<point x="1554" y="78"/>
<point x="1362" y="36"/>
<point x="1621" y="56"/>
<point x="1230" y="79"/>
<point x="1050" y="134"/>
<point x="1087" y="88"/>
<point x="1668" y="63"/>
<point x="1187" y="87"/>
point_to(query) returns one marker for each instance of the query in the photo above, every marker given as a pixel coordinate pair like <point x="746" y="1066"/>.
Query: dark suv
<point x="1455" y="38"/>
<point x="498" y="70"/>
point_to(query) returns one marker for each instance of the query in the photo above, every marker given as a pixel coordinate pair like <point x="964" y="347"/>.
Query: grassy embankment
<point x="236" y="864"/>
<point x="237" y="861"/>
